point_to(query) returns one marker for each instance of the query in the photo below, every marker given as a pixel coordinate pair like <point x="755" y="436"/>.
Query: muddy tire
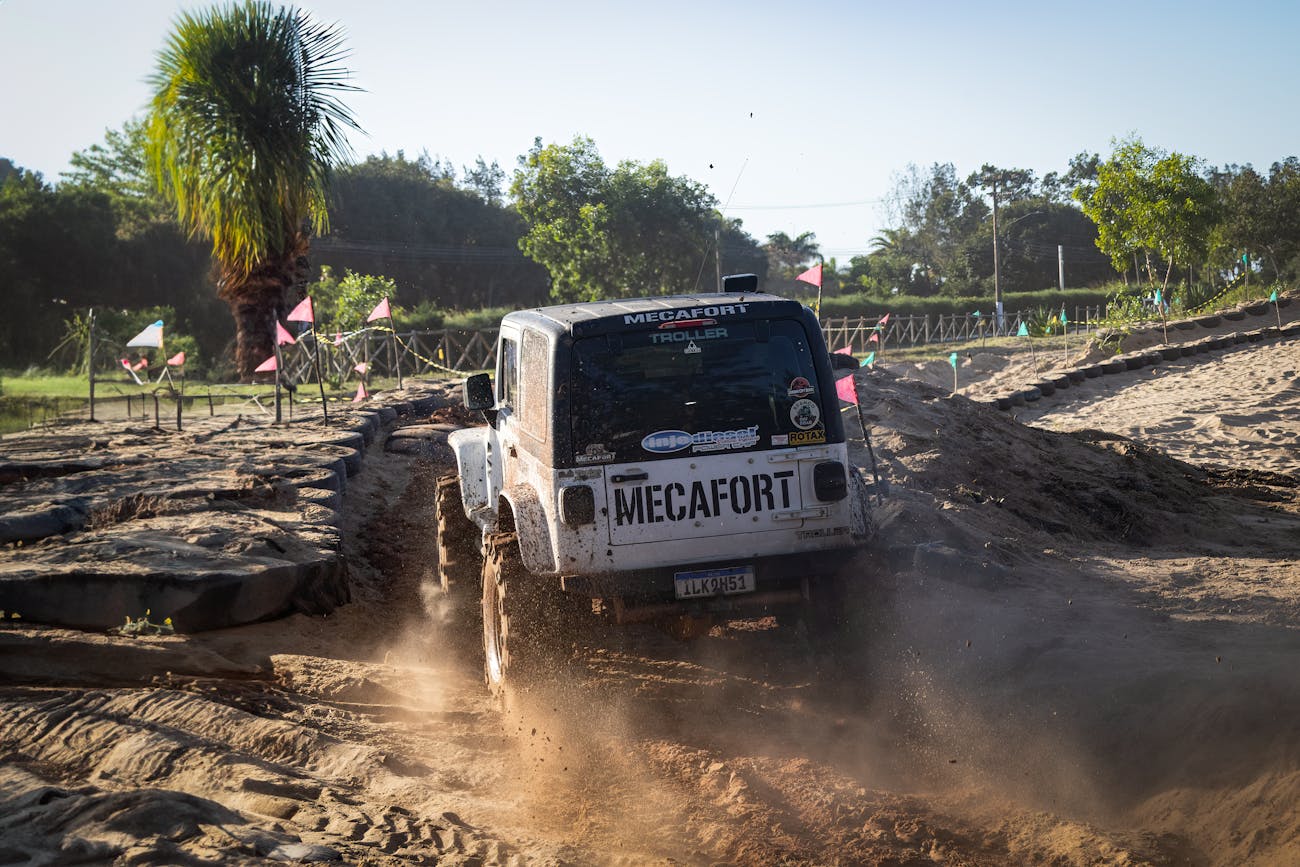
<point x="524" y="627"/>
<point x="459" y="560"/>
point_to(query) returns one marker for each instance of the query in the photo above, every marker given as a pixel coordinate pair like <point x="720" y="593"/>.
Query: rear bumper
<point x="778" y="579"/>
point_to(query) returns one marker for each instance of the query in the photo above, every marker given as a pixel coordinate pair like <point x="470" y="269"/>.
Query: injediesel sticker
<point x="683" y="501"/>
<point x="665" y="442"/>
<point x="805" y="413"/>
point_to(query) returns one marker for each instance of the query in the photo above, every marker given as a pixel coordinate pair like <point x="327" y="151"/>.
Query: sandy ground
<point x="1074" y="644"/>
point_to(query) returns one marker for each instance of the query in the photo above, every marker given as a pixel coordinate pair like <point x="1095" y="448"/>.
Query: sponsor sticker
<point x="807" y="437"/>
<point x="800" y="387"/>
<point x="691" y="348"/>
<point x="594" y="457"/>
<point x="805" y="413"/>
<point x="668" y="441"/>
<point x="683" y="313"/>
<point x="688" y="336"/>
<point x="690" y="500"/>
<point x="780" y="439"/>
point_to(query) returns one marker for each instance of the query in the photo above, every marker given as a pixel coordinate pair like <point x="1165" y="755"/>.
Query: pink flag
<point x="875" y="335"/>
<point x="884" y="320"/>
<point x="381" y="311"/>
<point x="848" y="350"/>
<point x="126" y="362"/>
<point x="282" y="335"/>
<point x="141" y="364"/>
<point x="267" y="366"/>
<point x="361" y="394"/>
<point x="847" y="390"/>
<point x="177" y="360"/>
<point x="361" y="367"/>
<point x="338" y="338"/>
<point x="813" y="275"/>
<point x="303" y="312"/>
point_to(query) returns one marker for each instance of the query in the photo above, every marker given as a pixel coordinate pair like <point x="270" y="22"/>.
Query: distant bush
<point x="428" y="316"/>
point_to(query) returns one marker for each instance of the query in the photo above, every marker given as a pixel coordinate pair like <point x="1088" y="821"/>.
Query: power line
<point x="805" y="207"/>
<point x="466" y="253"/>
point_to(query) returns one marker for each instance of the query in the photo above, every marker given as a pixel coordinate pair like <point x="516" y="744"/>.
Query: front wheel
<point x="459" y="564"/>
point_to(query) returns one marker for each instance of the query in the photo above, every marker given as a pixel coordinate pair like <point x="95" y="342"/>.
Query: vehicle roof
<point x="594" y="317"/>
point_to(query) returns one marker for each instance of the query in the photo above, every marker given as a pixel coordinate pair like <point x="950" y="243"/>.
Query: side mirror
<point x="477" y="392"/>
<point x="843" y="361"/>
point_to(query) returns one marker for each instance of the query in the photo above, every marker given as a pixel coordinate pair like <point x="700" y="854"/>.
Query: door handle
<point x="629" y="477"/>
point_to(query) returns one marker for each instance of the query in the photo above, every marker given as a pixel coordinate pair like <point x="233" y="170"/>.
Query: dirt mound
<point x="988" y="471"/>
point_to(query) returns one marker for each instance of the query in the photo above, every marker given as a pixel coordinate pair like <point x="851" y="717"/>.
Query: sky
<point x="799" y="117"/>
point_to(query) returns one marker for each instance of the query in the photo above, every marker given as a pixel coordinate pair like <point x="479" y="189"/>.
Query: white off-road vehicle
<point x="673" y="457"/>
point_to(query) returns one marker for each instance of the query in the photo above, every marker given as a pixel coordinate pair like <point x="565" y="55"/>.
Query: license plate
<point x="714" y="582"/>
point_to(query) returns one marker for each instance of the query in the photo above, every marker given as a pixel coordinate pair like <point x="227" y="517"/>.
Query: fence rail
<point x="914" y="330"/>
<point x="455" y="351"/>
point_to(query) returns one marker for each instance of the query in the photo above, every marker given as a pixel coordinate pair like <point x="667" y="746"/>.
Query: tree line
<point x="139" y="222"/>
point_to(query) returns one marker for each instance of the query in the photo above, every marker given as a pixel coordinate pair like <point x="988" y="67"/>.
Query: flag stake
<point x="320" y="379"/>
<point x="397" y="361"/>
<point x="866" y="438"/>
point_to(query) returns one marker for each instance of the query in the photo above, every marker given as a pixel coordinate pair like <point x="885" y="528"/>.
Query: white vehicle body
<point x="640" y="502"/>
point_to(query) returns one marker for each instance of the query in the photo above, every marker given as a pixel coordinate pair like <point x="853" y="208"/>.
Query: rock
<point x="303" y="853"/>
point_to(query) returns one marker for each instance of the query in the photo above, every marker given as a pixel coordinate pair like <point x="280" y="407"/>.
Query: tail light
<point x="830" y="482"/>
<point x="577" y="505"/>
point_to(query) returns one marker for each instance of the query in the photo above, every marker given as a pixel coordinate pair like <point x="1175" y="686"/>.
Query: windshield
<point x="703" y="388"/>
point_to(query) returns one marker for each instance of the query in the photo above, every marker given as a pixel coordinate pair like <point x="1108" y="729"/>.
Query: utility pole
<point x="1060" y="264"/>
<point x="717" y="256"/>
<point x="997" y="284"/>
<point x="90" y="362"/>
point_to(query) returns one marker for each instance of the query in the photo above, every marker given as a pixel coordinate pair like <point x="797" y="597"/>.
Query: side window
<point x="535" y="385"/>
<point x="508" y="373"/>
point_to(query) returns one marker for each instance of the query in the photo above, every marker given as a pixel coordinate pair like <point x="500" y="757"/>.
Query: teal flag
<point x="1023" y="332"/>
<point x="1157" y="297"/>
<point x="1064" y="321"/>
<point x="976" y="314"/>
<point x="952" y="359"/>
<point x="869" y="360"/>
<point x="1245" y="258"/>
<point x="1273" y="297"/>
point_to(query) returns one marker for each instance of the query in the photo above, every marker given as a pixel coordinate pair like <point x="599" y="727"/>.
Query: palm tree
<point x="243" y="133"/>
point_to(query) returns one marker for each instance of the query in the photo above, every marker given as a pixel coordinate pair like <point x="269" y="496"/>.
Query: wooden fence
<point x="455" y="352"/>
<point x="915" y="330"/>
<point x="450" y="352"/>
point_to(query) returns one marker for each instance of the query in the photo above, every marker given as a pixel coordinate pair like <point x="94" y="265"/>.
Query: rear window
<point x="700" y="389"/>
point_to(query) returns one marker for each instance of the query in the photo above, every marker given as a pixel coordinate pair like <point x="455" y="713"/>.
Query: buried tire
<point x="459" y="561"/>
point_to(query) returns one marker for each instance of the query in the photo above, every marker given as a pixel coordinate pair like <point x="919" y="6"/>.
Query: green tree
<point x="936" y="211"/>
<point x="442" y="242"/>
<point x="344" y="304"/>
<point x="1146" y="200"/>
<point x="1260" y="218"/>
<point x="1082" y="172"/>
<point x="602" y="233"/>
<point x="787" y="257"/>
<point x="244" y="130"/>
<point x="119" y="169"/>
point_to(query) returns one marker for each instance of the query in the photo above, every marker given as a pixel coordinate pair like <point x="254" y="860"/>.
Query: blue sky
<point x="807" y="110"/>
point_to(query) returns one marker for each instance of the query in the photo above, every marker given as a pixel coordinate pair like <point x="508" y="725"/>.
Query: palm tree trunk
<point x="257" y="300"/>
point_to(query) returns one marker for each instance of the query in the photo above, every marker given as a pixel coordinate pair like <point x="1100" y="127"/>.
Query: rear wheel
<point x="519" y="640"/>
<point x="459" y="561"/>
